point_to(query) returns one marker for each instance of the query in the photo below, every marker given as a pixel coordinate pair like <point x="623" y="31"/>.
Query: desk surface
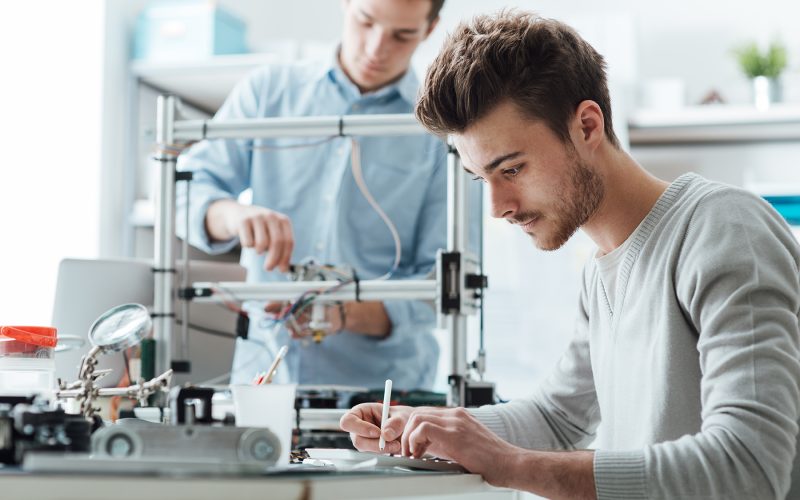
<point x="323" y="486"/>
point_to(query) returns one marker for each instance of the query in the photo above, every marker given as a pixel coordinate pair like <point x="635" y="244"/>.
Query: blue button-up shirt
<point x="332" y="221"/>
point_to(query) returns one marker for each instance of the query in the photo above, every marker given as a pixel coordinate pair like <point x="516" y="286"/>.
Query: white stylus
<point x="387" y="398"/>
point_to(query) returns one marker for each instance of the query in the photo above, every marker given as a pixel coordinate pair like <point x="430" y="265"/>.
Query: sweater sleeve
<point x="737" y="280"/>
<point x="563" y="413"/>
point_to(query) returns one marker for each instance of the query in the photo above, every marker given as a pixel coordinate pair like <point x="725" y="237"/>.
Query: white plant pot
<point x="766" y="91"/>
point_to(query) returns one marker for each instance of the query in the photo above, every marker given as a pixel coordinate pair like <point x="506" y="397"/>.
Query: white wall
<point x="49" y="178"/>
<point x="685" y="39"/>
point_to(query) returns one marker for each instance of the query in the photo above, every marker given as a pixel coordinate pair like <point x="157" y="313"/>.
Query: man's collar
<point x="406" y="86"/>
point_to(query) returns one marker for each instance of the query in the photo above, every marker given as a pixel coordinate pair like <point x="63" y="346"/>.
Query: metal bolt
<point x="262" y="449"/>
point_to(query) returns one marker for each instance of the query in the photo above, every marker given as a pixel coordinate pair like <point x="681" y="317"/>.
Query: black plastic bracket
<point x="450" y="291"/>
<point x="191" y="293"/>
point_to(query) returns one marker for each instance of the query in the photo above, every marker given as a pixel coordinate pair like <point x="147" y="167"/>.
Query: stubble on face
<point x="578" y="200"/>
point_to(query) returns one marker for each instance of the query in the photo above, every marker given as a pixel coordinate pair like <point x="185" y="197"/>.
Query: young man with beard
<point x="309" y="203"/>
<point x="685" y="363"/>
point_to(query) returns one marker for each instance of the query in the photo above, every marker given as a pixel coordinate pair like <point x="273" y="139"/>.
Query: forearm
<point x="553" y="474"/>
<point x="367" y="318"/>
<point x="216" y="225"/>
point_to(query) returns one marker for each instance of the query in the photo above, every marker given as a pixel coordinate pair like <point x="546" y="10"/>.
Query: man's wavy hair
<point x="541" y="65"/>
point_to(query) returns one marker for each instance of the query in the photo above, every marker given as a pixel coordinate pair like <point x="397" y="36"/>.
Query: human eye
<point x="512" y="171"/>
<point x="478" y="178"/>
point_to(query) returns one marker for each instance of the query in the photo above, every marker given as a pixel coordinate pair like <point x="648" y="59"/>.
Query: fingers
<point x="393" y="428"/>
<point x="274" y="307"/>
<point x="363" y="424"/>
<point x="265" y="230"/>
<point x="421" y="430"/>
<point x="246" y="237"/>
<point x="281" y="242"/>
<point x="261" y="240"/>
<point x="354" y="423"/>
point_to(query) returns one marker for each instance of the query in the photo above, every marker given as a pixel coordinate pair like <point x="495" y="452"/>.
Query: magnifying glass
<point x="121" y="327"/>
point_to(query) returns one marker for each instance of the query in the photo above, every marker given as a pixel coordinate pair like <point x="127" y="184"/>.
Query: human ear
<point x="588" y="125"/>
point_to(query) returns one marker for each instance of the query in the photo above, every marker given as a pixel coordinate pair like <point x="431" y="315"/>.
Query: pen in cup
<point x="387" y="397"/>
<point x="267" y="378"/>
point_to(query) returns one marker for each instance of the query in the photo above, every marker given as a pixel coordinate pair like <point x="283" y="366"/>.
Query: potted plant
<point x="764" y="70"/>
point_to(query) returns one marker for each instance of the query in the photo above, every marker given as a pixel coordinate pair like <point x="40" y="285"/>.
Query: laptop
<point x="86" y="288"/>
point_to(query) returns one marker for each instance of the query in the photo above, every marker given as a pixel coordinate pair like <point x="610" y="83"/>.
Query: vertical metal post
<point x="184" y="347"/>
<point x="456" y="322"/>
<point x="164" y="252"/>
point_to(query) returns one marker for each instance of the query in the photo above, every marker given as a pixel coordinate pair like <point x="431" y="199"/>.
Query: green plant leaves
<point x="756" y="63"/>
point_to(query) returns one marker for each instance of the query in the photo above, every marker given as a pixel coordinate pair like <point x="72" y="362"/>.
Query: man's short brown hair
<point x="436" y="6"/>
<point x="541" y="65"/>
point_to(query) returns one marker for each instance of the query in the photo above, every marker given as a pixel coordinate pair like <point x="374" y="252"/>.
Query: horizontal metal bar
<point x="290" y="290"/>
<point x="300" y="126"/>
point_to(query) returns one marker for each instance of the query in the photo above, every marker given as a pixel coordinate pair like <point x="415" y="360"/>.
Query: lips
<point x="528" y="226"/>
<point x="375" y="68"/>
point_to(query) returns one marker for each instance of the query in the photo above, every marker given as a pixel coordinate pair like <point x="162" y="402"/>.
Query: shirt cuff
<point x="619" y="474"/>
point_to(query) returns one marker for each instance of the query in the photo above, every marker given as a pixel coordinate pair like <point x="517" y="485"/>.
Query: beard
<point x="578" y="201"/>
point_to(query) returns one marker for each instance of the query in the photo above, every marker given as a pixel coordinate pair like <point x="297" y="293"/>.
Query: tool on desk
<point x="387" y="397"/>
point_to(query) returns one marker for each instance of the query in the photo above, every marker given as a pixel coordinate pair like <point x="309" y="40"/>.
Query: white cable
<point x="359" y="178"/>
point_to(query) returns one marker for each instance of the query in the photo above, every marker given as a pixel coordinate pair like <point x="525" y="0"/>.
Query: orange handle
<point x="44" y="336"/>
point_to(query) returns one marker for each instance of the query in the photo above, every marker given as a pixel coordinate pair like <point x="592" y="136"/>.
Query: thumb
<point x="393" y="428"/>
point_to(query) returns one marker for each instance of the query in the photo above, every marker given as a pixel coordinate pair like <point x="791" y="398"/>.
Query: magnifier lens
<point x="121" y="327"/>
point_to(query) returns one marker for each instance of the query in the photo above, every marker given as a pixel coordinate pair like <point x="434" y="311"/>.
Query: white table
<point x="317" y="486"/>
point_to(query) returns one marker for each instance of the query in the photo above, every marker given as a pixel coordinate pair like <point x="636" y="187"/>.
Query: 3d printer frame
<point x="457" y="289"/>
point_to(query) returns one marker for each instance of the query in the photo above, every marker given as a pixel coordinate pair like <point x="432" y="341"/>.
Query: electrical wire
<point x="359" y="178"/>
<point x="299" y="145"/>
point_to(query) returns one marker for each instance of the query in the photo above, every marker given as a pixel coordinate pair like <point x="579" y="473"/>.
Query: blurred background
<point x="79" y="85"/>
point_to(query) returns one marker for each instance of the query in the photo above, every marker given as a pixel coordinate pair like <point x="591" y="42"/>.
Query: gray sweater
<point x="691" y="385"/>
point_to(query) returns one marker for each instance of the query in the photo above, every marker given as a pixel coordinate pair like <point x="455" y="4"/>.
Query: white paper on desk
<point x="270" y="406"/>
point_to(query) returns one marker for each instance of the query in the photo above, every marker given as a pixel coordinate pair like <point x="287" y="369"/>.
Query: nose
<point x="503" y="205"/>
<point x="377" y="42"/>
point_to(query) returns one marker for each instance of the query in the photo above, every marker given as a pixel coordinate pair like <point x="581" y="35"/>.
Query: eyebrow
<point x="405" y="31"/>
<point x="500" y="159"/>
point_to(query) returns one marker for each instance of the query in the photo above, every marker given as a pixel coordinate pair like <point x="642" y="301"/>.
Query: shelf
<point x="205" y="84"/>
<point x="715" y="124"/>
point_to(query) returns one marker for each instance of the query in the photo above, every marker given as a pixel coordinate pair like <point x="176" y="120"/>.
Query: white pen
<point x="274" y="367"/>
<point x="387" y="398"/>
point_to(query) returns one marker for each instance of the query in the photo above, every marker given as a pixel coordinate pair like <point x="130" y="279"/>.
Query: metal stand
<point x="458" y="287"/>
<point x="86" y="391"/>
<point x="164" y="255"/>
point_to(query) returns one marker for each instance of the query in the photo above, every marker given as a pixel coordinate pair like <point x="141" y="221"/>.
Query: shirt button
<point x="356" y="107"/>
<point x="320" y="246"/>
<point x="328" y="198"/>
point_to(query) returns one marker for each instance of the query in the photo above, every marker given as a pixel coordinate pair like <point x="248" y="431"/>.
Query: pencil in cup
<point x="267" y="376"/>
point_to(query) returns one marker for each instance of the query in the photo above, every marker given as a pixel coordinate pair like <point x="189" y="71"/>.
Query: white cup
<point x="270" y="406"/>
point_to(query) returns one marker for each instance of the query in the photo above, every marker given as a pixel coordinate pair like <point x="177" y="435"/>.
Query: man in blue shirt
<point x="307" y="202"/>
